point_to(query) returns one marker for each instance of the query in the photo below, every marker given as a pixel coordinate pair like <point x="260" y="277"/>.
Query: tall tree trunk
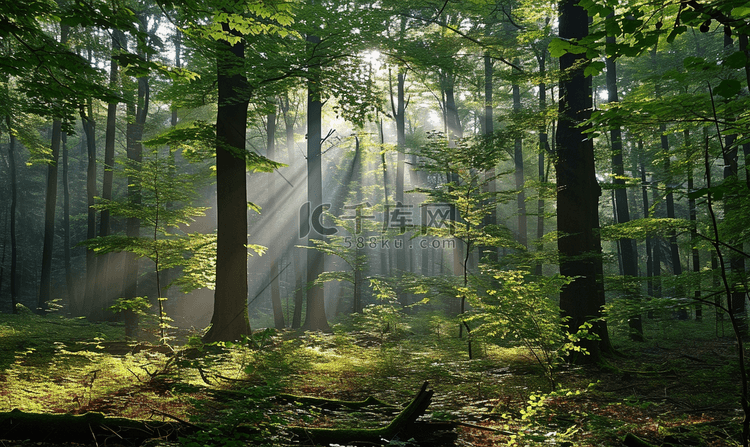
<point x="674" y="249"/>
<point x="359" y="263"/>
<point x="384" y="259"/>
<point x="89" y="126"/>
<point x="543" y="148"/>
<point x="278" y="312"/>
<point x="230" y="319"/>
<point x="13" y="206"/>
<point x="49" y="219"/>
<point x="315" y="316"/>
<point x="518" y="163"/>
<point x="134" y="146"/>
<point x="693" y="216"/>
<point x="489" y="129"/>
<point x="629" y="255"/>
<point x="646" y="214"/>
<point x="50" y="205"/>
<point x="399" y="114"/>
<point x="656" y="244"/>
<point x="106" y="288"/>
<point x="70" y="286"/>
<point x="578" y="192"/>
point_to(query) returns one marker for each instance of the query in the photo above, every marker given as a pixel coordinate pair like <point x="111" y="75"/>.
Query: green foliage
<point x="518" y="309"/>
<point x="385" y="319"/>
<point x="138" y="305"/>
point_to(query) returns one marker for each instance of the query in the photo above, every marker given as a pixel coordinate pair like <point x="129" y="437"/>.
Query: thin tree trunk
<point x="73" y="301"/>
<point x="90" y="129"/>
<point x="50" y="206"/>
<point x="49" y="219"/>
<point x="543" y="148"/>
<point x="399" y="110"/>
<point x="278" y="312"/>
<point x="693" y="215"/>
<point x="13" y="205"/>
<point x="489" y="129"/>
<point x="629" y="255"/>
<point x="519" y="177"/>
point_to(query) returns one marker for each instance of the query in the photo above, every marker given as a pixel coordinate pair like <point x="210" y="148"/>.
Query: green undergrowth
<point x="676" y="387"/>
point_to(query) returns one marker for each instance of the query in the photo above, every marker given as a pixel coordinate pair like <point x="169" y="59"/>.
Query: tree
<point x="627" y="247"/>
<point x="578" y="191"/>
<point x="161" y="222"/>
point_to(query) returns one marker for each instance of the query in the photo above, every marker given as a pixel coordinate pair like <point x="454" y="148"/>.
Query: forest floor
<point x="679" y="388"/>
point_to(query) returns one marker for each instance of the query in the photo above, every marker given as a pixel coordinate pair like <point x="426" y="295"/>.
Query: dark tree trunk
<point x="49" y="219"/>
<point x="50" y="205"/>
<point x="674" y="249"/>
<point x="89" y="127"/>
<point x="70" y="286"/>
<point x="315" y="316"/>
<point x="543" y="148"/>
<point x="13" y="205"/>
<point x="629" y="256"/>
<point x="104" y="282"/>
<point x="134" y="137"/>
<point x="578" y="192"/>
<point x="489" y="128"/>
<point x="230" y="319"/>
<point x="518" y="163"/>
<point x="649" y="239"/>
<point x="399" y="113"/>
<point x="693" y="215"/>
<point x="384" y="260"/>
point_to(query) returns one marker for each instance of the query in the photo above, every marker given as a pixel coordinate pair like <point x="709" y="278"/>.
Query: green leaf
<point x="728" y="88"/>
<point x="737" y="59"/>
<point x="594" y="68"/>
<point x="741" y="12"/>
<point x="559" y="47"/>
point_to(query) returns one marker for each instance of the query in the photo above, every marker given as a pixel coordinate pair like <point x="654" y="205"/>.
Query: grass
<point x="679" y="386"/>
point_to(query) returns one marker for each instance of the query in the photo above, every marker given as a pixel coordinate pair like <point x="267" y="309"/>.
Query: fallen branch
<point x="404" y="425"/>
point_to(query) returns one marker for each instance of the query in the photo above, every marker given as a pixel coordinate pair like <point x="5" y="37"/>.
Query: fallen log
<point x="85" y="428"/>
<point x="404" y="426"/>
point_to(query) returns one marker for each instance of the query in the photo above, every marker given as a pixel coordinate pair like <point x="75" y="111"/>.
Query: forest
<point x="403" y="223"/>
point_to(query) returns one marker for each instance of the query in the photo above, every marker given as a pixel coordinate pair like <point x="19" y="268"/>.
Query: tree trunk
<point x="543" y="148"/>
<point x="489" y="129"/>
<point x="674" y="249"/>
<point x="13" y="205"/>
<point x="629" y="255"/>
<point x="70" y="286"/>
<point x="89" y="127"/>
<point x="518" y="163"/>
<point x="693" y="216"/>
<point x="50" y="205"/>
<point x="315" y="317"/>
<point x="134" y="136"/>
<point x="578" y="192"/>
<point x="278" y="312"/>
<point x="104" y="281"/>
<point x="230" y="319"/>
<point x="399" y="111"/>
<point x="49" y="219"/>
